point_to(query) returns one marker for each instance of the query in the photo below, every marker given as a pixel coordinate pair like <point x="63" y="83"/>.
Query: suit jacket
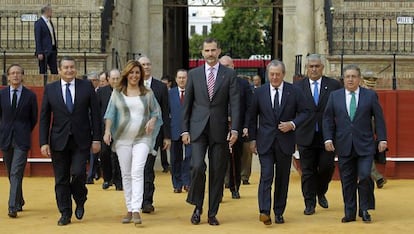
<point x="43" y="38"/>
<point x="337" y="124"/>
<point x="305" y="132"/>
<point x="161" y="94"/>
<point x="103" y="94"/>
<point x="246" y="95"/>
<point x="84" y="122"/>
<point x="19" y="122"/>
<point x="292" y="108"/>
<point x="199" y="110"/>
<point x="175" y="113"/>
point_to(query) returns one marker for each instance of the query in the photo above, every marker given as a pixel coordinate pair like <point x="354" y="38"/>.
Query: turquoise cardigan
<point x="118" y="112"/>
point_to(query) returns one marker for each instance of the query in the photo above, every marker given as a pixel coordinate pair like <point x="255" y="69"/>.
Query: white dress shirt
<point x="348" y="97"/>
<point x="71" y="88"/>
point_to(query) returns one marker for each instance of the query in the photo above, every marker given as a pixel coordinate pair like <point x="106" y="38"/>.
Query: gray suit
<point x="207" y="123"/>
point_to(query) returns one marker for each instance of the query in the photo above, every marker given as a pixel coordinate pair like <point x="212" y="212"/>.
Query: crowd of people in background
<point x="208" y="111"/>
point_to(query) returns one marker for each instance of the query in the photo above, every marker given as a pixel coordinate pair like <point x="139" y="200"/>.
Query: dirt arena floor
<point x="105" y="208"/>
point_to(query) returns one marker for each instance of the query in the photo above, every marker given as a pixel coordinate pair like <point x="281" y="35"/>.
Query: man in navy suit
<point x="69" y="137"/>
<point x="234" y="170"/>
<point x="46" y="41"/>
<point x="180" y="164"/>
<point x="277" y="109"/>
<point x="348" y="130"/>
<point x="18" y="117"/>
<point x="316" y="163"/>
<point x="163" y="139"/>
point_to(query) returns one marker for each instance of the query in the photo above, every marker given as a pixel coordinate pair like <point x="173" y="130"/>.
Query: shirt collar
<point x="45" y="18"/>
<point x="280" y="88"/>
<point x="318" y="81"/>
<point x="63" y="83"/>
<point x="19" y="89"/>
<point x="216" y="67"/>
<point x="349" y="92"/>
<point x="180" y="89"/>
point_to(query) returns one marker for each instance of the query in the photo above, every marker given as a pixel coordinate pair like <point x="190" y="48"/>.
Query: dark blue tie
<point x="276" y="103"/>
<point x="14" y="99"/>
<point x="316" y="99"/>
<point x="69" y="103"/>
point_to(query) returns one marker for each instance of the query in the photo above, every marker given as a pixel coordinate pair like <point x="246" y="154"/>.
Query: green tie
<point x="352" y="106"/>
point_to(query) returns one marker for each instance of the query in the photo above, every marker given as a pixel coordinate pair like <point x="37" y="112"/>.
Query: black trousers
<point x="111" y="171"/>
<point x="217" y="171"/>
<point x="69" y="167"/>
<point x="317" y="167"/>
<point x="355" y="173"/>
<point x="49" y="59"/>
<point x="235" y="166"/>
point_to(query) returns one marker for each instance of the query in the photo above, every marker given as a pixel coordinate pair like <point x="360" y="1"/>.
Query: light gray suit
<point x="207" y="123"/>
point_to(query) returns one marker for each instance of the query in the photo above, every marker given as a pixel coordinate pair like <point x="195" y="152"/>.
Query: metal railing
<point x="370" y="33"/>
<point x="75" y="31"/>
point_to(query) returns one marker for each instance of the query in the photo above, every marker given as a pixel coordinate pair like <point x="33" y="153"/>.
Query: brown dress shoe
<point x="265" y="218"/>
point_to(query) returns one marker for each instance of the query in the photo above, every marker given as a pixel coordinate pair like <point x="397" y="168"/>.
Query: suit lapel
<point x="307" y="89"/>
<point x="203" y="81"/>
<point x="285" y="96"/>
<point x="360" y="101"/>
<point x="324" y="89"/>
<point x="269" y="103"/>
<point x="59" y="94"/>
<point x="219" y="80"/>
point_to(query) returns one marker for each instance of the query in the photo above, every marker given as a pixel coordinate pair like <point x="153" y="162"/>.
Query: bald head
<point x="227" y="61"/>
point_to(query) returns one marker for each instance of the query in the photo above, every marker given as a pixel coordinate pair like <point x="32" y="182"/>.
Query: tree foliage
<point x="245" y="31"/>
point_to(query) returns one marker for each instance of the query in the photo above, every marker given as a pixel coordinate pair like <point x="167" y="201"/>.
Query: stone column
<point x="298" y="33"/>
<point x="146" y="32"/>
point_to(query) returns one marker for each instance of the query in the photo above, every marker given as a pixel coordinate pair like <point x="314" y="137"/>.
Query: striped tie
<point x="210" y="83"/>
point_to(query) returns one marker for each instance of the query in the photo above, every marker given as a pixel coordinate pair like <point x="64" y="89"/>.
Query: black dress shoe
<point x="366" y="217"/>
<point x="106" y="185"/>
<point x="213" y="221"/>
<point x="380" y="183"/>
<point x="148" y="208"/>
<point x="12" y="214"/>
<point x="347" y="219"/>
<point x="64" y="220"/>
<point x="119" y="188"/>
<point x="323" y="202"/>
<point x="309" y="210"/>
<point x="235" y="195"/>
<point x="246" y="182"/>
<point x="79" y="212"/>
<point x="265" y="218"/>
<point x="279" y="219"/>
<point x="177" y="190"/>
<point x="186" y="188"/>
<point x="196" y="217"/>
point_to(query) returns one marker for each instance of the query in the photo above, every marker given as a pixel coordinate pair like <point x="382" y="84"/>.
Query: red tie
<point x="210" y="83"/>
<point x="181" y="96"/>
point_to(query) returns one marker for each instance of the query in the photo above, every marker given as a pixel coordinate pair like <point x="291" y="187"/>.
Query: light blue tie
<point x="316" y="99"/>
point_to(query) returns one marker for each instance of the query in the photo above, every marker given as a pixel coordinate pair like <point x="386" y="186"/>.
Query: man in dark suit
<point x="180" y="165"/>
<point x="163" y="139"/>
<point x="18" y="117"/>
<point x="109" y="160"/>
<point x="46" y="41"/>
<point x="209" y="91"/>
<point x="277" y="109"/>
<point x="234" y="170"/>
<point x="70" y="136"/>
<point x="348" y="130"/>
<point x="317" y="164"/>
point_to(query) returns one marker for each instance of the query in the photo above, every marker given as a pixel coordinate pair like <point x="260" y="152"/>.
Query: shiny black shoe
<point x="323" y="202"/>
<point x="196" y="216"/>
<point x="64" y="220"/>
<point x="79" y="212"/>
<point x="279" y="219"/>
<point x="347" y="219"/>
<point x="366" y="217"/>
<point x="12" y="214"/>
<point x="235" y="195"/>
<point x="380" y="183"/>
<point x="148" y="208"/>
<point x="213" y="221"/>
<point x="309" y="210"/>
<point x="106" y="185"/>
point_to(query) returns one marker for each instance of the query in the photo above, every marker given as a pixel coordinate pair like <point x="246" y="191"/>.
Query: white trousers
<point x="132" y="160"/>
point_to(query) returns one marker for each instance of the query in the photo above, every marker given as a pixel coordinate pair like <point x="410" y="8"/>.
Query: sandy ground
<point x="104" y="210"/>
